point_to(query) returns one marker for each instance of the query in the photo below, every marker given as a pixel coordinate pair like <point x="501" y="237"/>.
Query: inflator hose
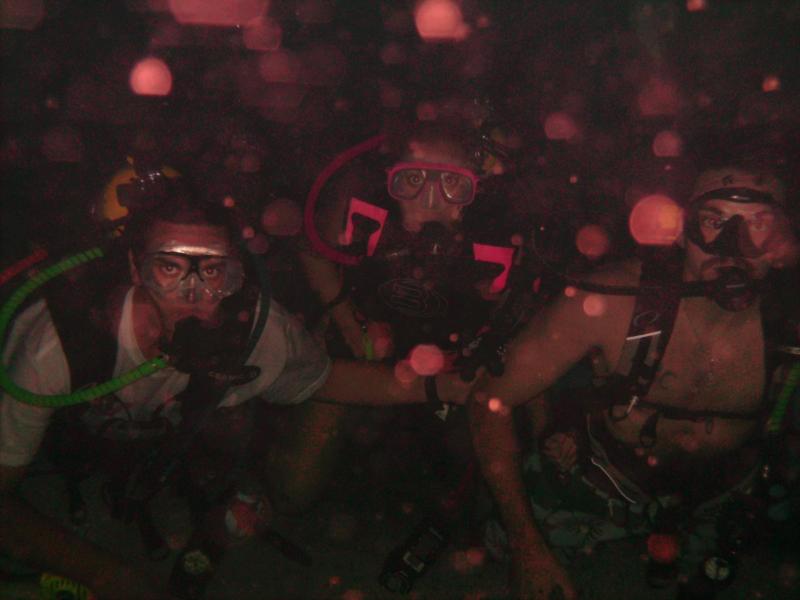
<point x="56" y="400"/>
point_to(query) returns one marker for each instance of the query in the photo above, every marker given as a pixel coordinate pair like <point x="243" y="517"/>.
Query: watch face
<point x="717" y="569"/>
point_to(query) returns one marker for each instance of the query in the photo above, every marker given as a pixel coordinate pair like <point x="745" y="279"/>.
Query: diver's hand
<point x="537" y="576"/>
<point x="376" y="343"/>
<point x="454" y="390"/>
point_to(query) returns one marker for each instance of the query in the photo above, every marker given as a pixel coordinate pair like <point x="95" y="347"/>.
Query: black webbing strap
<point x="651" y="326"/>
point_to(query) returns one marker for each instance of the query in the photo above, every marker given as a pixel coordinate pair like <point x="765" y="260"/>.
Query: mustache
<point x="719" y="262"/>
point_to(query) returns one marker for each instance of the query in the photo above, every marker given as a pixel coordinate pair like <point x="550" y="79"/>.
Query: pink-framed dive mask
<point x="427" y="181"/>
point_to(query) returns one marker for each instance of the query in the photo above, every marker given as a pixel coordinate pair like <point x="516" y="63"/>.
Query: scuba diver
<point x="674" y="430"/>
<point x="413" y="255"/>
<point x="193" y="310"/>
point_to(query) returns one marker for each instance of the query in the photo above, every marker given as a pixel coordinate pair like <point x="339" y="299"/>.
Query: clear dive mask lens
<point x="192" y="276"/>
<point x="735" y="236"/>
<point x="456" y="185"/>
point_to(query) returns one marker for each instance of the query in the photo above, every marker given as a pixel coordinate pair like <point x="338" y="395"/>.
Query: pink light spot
<point x="656" y="220"/>
<point x="495" y="405"/>
<point x="573" y="179"/>
<point x="334" y="580"/>
<point x="21" y="14"/>
<point x="151" y="77"/>
<point x="282" y="217"/>
<point x="258" y="244"/>
<point x="594" y="305"/>
<point x="393" y="54"/>
<point x="771" y="83"/>
<point x="570" y="291"/>
<point x="517" y="239"/>
<point x="62" y="144"/>
<point x="459" y="563"/>
<point x="220" y="13"/>
<point x="652" y="461"/>
<point x="262" y="34"/>
<point x="667" y="143"/>
<point x="658" y="98"/>
<point x="476" y="556"/>
<point x="696" y="5"/>
<point x="427" y="111"/>
<point x="426" y="359"/>
<point x="391" y="95"/>
<point x="311" y="12"/>
<point x="592" y="241"/>
<point x="248" y="233"/>
<point x="280" y="66"/>
<point x="439" y="21"/>
<point x="404" y="373"/>
<point x="229" y="202"/>
<point x="323" y="64"/>
<point x="453" y="337"/>
<point x="560" y="126"/>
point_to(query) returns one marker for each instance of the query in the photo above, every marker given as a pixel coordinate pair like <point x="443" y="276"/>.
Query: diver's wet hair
<point x="179" y="203"/>
<point x="456" y="134"/>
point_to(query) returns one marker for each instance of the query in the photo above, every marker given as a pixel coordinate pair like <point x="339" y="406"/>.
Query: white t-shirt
<point x="293" y="366"/>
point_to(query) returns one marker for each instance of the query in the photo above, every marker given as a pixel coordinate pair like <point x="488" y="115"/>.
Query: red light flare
<point x="667" y="144"/>
<point x="696" y="5"/>
<point x="404" y="373"/>
<point x="440" y="21"/>
<point x="656" y="220"/>
<point x="771" y="83"/>
<point x="427" y="111"/>
<point x="592" y="241"/>
<point x="259" y="244"/>
<point x="310" y="12"/>
<point x="323" y="64"/>
<point x="560" y="126"/>
<point x="594" y="305"/>
<point x="21" y="14"/>
<point x="220" y="13"/>
<point x="663" y="548"/>
<point x="659" y="97"/>
<point x="426" y="359"/>
<point x="151" y="77"/>
<point x="394" y="54"/>
<point x="62" y="144"/>
<point x="280" y="66"/>
<point x="262" y="34"/>
<point x="391" y="95"/>
<point x="282" y="217"/>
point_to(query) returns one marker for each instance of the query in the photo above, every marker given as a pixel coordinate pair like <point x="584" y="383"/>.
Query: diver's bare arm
<point x="369" y="383"/>
<point x="550" y="343"/>
<point x="497" y="450"/>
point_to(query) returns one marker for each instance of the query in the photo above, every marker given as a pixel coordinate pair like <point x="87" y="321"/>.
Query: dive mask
<point x="737" y="236"/>
<point x="410" y="180"/>
<point x="195" y="273"/>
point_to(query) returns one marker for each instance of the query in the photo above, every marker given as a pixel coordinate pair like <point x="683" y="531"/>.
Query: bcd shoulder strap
<point x="650" y="329"/>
